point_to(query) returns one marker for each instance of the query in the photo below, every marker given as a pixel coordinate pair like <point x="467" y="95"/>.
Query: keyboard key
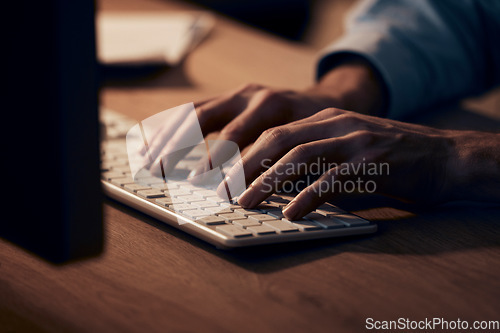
<point x="211" y="220"/>
<point x="247" y="212"/>
<point x="121" y="168"/>
<point x="170" y="185"/>
<point x="205" y="193"/>
<point x="278" y="199"/>
<point x="136" y="187"/>
<point x="150" y="194"/>
<point x="111" y="174"/>
<point x="205" y="204"/>
<point x="233" y="231"/>
<point x="277" y="213"/>
<point x="120" y="161"/>
<point x="180" y="207"/>
<point x="178" y="192"/>
<point x="268" y="206"/>
<point x="191" y="198"/>
<point x="246" y="223"/>
<point x="112" y="164"/>
<point x="216" y="199"/>
<point x="329" y="209"/>
<point x="262" y="217"/>
<point x="196" y="213"/>
<point x="218" y="210"/>
<point x="324" y="222"/>
<point x="190" y="187"/>
<point x="286" y="197"/>
<point x="149" y="180"/>
<point x="281" y="226"/>
<point x="119" y="156"/>
<point x="277" y="204"/>
<point x="351" y="220"/>
<point x="169" y="201"/>
<point x="122" y="181"/>
<point x="232" y="217"/>
<point x="305" y="225"/>
<point x="105" y="167"/>
<point x="261" y="230"/>
<point x="161" y="187"/>
<point x="181" y="183"/>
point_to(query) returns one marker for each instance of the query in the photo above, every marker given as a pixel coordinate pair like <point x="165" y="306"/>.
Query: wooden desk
<point x="152" y="278"/>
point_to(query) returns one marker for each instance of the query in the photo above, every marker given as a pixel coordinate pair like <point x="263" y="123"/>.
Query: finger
<point x="343" y="178"/>
<point x="326" y="114"/>
<point x="203" y="102"/>
<point x="158" y="128"/>
<point x="211" y="114"/>
<point x="294" y="164"/>
<point x="263" y="112"/>
<point x="272" y="145"/>
<point x="188" y="132"/>
<point x="276" y="142"/>
<point x="227" y="157"/>
<point x="161" y="127"/>
<point x="312" y="196"/>
<point x="177" y="147"/>
<point x="218" y="112"/>
<point x="168" y="128"/>
<point x="266" y="109"/>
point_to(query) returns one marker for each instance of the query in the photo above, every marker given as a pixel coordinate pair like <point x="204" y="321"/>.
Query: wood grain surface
<point x="439" y="262"/>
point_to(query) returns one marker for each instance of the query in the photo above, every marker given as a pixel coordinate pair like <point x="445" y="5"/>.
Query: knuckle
<point x="269" y="95"/>
<point x="202" y="113"/>
<point x="249" y="87"/>
<point x="332" y="112"/>
<point x="302" y="150"/>
<point x="363" y="137"/>
<point x="388" y="126"/>
<point x="277" y="134"/>
<point x="231" y="131"/>
<point x="347" y="119"/>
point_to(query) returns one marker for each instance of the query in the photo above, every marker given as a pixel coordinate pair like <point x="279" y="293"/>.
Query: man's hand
<point x="240" y="116"/>
<point x="243" y="114"/>
<point x="402" y="160"/>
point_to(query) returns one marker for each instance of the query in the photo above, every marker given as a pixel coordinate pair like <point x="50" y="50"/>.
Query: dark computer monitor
<point x="51" y="202"/>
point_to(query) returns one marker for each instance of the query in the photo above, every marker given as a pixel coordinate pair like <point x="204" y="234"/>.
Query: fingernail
<point x="291" y="210"/>
<point x="192" y="173"/>
<point x="155" y="169"/>
<point x="221" y="189"/>
<point x="245" y="199"/>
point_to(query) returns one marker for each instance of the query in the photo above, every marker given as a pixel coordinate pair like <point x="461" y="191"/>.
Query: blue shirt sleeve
<point x="426" y="51"/>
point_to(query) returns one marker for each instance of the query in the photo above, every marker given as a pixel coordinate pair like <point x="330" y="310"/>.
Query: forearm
<point x="474" y="167"/>
<point x="425" y="50"/>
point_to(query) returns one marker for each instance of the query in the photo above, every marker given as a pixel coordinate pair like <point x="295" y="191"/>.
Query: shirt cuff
<point x="392" y="62"/>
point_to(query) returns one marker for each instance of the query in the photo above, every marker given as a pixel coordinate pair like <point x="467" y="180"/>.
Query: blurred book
<point x="137" y="39"/>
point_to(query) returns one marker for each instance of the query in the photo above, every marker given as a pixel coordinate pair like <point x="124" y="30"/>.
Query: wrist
<point x="473" y="169"/>
<point x="354" y="85"/>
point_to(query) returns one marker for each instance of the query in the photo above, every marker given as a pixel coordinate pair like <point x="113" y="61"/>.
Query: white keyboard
<point x="200" y="212"/>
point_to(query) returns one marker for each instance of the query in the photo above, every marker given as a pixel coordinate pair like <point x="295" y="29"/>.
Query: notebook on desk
<point x="197" y="208"/>
<point x="158" y="38"/>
